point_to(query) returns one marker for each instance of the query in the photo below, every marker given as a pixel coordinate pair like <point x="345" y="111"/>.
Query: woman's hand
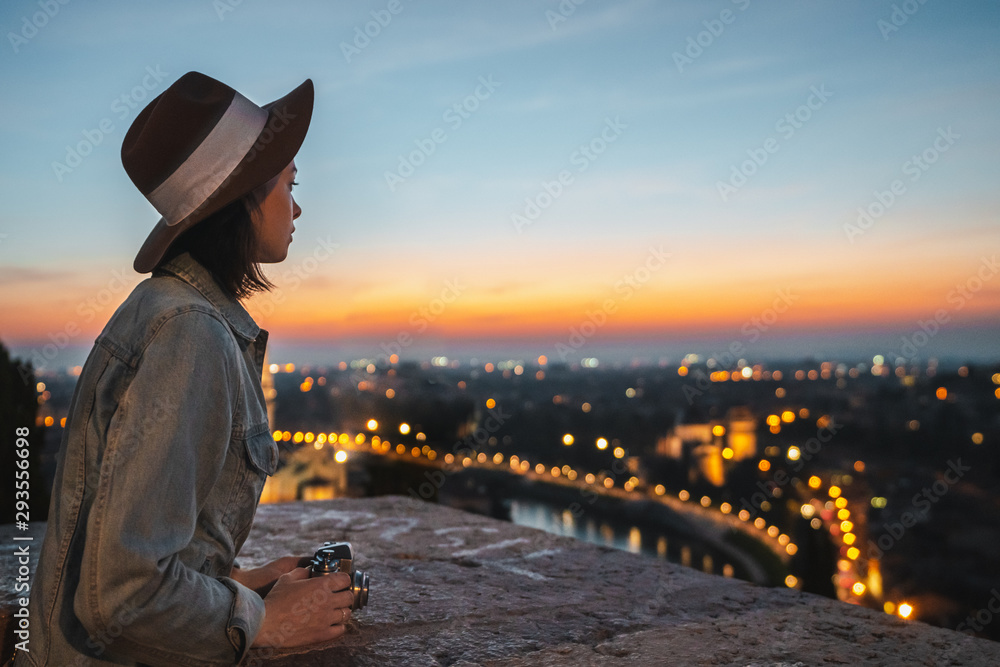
<point x="301" y="610"/>
<point x="261" y="579"/>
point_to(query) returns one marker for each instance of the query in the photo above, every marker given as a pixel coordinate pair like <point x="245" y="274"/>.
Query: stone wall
<point x="453" y="588"/>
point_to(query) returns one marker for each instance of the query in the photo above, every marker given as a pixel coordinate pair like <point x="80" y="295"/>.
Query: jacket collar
<point x="188" y="269"/>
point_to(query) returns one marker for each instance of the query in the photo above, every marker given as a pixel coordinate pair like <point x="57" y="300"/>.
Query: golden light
<point x="773" y="531"/>
<point x="498" y="458"/>
<point x="318" y="445"/>
<point x="843" y="514"/>
<point x="277" y="436"/>
<point x="602" y="443"/>
<point x="449" y="458"/>
<point x="321" y="438"/>
<point x="941" y="393"/>
<point x="360" y="438"/>
<point x="705" y="501"/>
<point x="889" y="607"/>
<point x="846" y="526"/>
<point x="372" y="424"/>
<point x="415" y="452"/>
<point x="589" y="478"/>
<point x="555" y="471"/>
<point x="340" y="456"/>
<point x="744" y="515"/>
<point x="815" y="482"/>
<point x="759" y="523"/>
<point x="298" y="437"/>
<point x="343" y="438"/>
<point x="542" y="360"/>
<point x="794" y="453"/>
<point x="421" y="436"/>
<point x="784" y="539"/>
<point x="853" y="553"/>
<point x="390" y="393"/>
<point x="780" y="391"/>
<point x="309" y="437"/>
<point x="849" y="538"/>
<point x="858" y="588"/>
<point x="488" y="368"/>
<point x="682" y="371"/>
<point x="490" y="403"/>
<point x="807" y="511"/>
<point x="628" y="486"/>
<point x="804" y="413"/>
<point x="764" y="465"/>
<point x="585" y="407"/>
<point x="619" y="453"/>
<point x="400" y="448"/>
<point x="791" y="549"/>
<point x="905" y="610"/>
<point x="834" y="492"/>
<point x="481" y="457"/>
<point x="404" y="428"/>
<point x="791" y="581"/>
<point x="788" y="416"/>
<point x="568" y="439"/>
<point x="727" y="453"/>
<point x="540" y="469"/>
<point x="773" y="420"/>
<point x="718" y="430"/>
<point x="841" y="503"/>
<point x="859" y="466"/>
<point x="977" y="438"/>
<point x="608" y="482"/>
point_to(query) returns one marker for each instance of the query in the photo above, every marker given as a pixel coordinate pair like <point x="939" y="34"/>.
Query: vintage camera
<point x="338" y="557"/>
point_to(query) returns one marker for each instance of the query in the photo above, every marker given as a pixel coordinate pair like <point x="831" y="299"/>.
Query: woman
<point x="167" y="443"/>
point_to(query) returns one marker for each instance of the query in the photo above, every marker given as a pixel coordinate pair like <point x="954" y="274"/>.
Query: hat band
<point x="211" y="162"/>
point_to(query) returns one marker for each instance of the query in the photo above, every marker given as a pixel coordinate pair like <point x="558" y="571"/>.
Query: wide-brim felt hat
<point x="201" y="145"/>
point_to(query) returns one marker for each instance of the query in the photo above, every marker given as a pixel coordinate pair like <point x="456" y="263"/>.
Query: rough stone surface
<point x="453" y="588"/>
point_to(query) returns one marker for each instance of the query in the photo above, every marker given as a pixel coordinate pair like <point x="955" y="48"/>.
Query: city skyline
<point x="500" y="180"/>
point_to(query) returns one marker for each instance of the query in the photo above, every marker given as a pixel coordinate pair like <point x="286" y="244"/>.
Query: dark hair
<point x="225" y="243"/>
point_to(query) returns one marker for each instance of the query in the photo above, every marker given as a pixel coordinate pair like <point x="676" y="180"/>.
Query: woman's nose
<point x="296" y="211"/>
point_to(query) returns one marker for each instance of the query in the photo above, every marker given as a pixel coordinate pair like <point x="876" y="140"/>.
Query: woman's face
<point x="277" y="211"/>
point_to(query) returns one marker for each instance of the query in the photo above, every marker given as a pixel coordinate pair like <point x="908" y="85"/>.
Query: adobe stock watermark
<point x="899" y="17"/>
<point x="122" y="107"/>
<point x="423" y="317"/>
<point x="364" y="34"/>
<point x="463" y="448"/>
<point x="957" y="297"/>
<point x="921" y="504"/>
<point x="752" y="330"/>
<point x="786" y="126"/>
<point x="807" y="451"/>
<point x="696" y="44"/>
<point x="566" y="9"/>
<point x="983" y="617"/>
<point x="88" y="309"/>
<point x="37" y="21"/>
<point x="625" y="287"/>
<point x="293" y="278"/>
<point x="454" y="116"/>
<point x="581" y="158"/>
<point x="915" y="167"/>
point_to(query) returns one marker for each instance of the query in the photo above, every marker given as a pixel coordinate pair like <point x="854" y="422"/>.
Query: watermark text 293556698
<point x="22" y="547"/>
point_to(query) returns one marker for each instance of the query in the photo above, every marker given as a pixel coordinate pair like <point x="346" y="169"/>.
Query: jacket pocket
<point x="262" y="452"/>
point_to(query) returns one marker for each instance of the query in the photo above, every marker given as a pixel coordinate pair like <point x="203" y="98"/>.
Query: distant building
<point x="708" y="446"/>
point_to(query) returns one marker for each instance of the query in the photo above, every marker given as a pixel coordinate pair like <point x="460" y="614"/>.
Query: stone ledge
<point x="453" y="588"/>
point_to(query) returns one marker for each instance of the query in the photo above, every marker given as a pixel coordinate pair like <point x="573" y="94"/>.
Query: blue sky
<point x="887" y="96"/>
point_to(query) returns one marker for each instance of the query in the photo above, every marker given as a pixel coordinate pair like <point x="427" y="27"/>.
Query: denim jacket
<point x="162" y="461"/>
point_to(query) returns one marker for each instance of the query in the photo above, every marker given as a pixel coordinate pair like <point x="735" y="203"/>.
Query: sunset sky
<point x="713" y="159"/>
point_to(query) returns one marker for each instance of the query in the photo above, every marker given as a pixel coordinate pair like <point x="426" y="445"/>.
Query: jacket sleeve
<point x="165" y="450"/>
